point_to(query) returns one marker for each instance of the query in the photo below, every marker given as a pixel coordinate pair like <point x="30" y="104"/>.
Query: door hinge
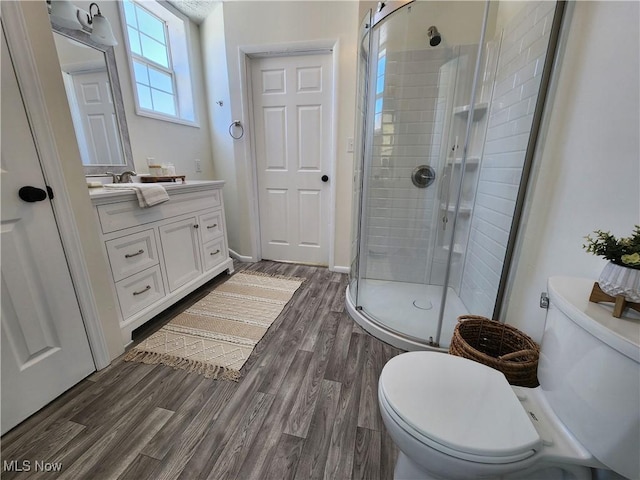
<point x="50" y="192"/>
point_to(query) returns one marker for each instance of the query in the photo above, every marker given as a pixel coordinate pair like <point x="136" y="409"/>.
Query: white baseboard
<point x="240" y="258"/>
<point x="340" y="269"/>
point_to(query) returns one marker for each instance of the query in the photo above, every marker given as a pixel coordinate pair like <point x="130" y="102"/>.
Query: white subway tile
<point x="518" y="110"/>
<point x="508" y="144"/>
<point x="502" y="190"/>
<point x="508" y="176"/>
<point x="494" y="203"/>
<point x="498" y="115"/>
<point x="501" y="131"/>
<point x="538" y="50"/>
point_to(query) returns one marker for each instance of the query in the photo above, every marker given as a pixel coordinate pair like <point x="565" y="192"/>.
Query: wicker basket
<point x="498" y="346"/>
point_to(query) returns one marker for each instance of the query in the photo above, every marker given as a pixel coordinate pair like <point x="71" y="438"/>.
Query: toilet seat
<point x="458" y="407"/>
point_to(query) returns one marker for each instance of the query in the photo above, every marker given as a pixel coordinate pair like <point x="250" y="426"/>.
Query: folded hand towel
<point x="148" y="194"/>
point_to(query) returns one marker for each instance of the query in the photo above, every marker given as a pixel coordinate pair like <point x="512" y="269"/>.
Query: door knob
<point x="324" y="178"/>
<point x="32" y="194"/>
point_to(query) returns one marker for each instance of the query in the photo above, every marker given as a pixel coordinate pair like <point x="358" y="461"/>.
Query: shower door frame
<point x="365" y="28"/>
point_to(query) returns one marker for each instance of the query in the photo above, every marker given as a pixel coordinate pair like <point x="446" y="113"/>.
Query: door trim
<point x="245" y="54"/>
<point x="24" y="63"/>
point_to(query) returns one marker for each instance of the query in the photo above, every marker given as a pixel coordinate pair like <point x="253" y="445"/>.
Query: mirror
<point x="95" y="100"/>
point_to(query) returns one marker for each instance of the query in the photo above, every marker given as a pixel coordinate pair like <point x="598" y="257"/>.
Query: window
<point x="380" y="74"/>
<point x="159" y="60"/>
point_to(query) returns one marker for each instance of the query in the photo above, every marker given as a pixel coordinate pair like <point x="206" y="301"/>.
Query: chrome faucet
<point x="115" y="178"/>
<point x="125" y="177"/>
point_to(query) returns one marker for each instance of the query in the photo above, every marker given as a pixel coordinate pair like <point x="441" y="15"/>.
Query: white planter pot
<point x="616" y="280"/>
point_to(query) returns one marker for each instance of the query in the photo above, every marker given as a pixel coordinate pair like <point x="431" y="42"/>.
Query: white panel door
<point x="292" y="105"/>
<point x="97" y="122"/>
<point x="45" y="350"/>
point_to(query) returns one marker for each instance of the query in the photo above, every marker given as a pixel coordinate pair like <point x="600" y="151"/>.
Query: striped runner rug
<point x="216" y="335"/>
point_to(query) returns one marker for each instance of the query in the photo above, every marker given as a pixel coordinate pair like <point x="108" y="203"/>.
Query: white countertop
<point x="98" y="195"/>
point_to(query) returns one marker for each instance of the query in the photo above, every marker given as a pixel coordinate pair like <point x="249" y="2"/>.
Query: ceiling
<point x="196" y="10"/>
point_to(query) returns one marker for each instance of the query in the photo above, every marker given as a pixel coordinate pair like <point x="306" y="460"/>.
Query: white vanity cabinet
<point x="160" y="254"/>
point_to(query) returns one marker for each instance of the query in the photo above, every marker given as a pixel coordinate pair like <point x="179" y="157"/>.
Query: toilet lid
<point x="457" y="403"/>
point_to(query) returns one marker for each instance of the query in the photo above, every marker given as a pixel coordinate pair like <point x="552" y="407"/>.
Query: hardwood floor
<point x="305" y="407"/>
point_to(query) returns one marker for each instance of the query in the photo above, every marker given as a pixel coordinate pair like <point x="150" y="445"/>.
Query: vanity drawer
<point x="210" y="225"/>
<point x="120" y="215"/>
<point x="139" y="291"/>
<point x="214" y="253"/>
<point x="132" y="254"/>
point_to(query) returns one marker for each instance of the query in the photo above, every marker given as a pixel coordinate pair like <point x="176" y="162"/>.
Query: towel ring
<point x="236" y="124"/>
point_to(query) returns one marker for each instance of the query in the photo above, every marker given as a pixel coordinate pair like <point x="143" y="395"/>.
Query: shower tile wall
<point x="409" y="126"/>
<point x="520" y="64"/>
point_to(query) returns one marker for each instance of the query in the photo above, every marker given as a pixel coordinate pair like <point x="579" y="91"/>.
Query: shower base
<point x="399" y="314"/>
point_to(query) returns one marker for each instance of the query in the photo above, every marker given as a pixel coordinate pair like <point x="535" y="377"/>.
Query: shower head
<point x="434" y="36"/>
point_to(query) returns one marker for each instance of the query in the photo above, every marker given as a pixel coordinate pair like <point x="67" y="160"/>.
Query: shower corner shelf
<point x="471" y="161"/>
<point x="457" y="249"/>
<point x="479" y="109"/>
<point x="463" y="210"/>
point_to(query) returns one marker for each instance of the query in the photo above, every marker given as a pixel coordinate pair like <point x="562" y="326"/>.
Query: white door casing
<point x="293" y="117"/>
<point x="45" y="349"/>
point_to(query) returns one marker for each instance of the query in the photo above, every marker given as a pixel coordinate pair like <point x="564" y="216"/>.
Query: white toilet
<point x="452" y="418"/>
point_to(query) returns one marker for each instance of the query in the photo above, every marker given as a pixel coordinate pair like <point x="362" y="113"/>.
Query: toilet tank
<point x="590" y="372"/>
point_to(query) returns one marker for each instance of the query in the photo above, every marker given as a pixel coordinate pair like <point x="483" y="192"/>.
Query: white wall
<point x="588" y="168"/>
<point x="164" y="141"/>
<point x="217" y="80"/>
<point x="252" y="24"/>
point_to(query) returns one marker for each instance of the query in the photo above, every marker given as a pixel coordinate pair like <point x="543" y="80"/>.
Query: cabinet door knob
<point x="129" y="255"/>
<point x="196" y="226"/>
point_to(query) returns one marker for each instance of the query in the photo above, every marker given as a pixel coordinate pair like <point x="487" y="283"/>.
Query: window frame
<point x="179" y="106"/>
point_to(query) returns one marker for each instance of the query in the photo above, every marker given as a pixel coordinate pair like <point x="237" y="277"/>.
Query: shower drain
<point x="423" y="304"/>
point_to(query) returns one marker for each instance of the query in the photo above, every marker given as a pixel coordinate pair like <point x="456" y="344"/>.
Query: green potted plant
<point x="621" y="276"/>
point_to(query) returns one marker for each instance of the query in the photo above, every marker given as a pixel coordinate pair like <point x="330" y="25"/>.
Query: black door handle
<point x="32" y="194"/>
<point x="324" y="178"/>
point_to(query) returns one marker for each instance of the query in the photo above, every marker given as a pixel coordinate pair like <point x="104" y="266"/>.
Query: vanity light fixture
<point x="100" y="27"/>
<point x="66" y="14"/>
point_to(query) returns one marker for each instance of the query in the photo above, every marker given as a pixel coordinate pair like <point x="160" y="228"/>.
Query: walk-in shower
<point x="448" y="109"/>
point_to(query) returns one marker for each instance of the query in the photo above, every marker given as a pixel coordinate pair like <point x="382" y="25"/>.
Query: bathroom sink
<point x="105" y="179"/>
<point x="94" y="179"/>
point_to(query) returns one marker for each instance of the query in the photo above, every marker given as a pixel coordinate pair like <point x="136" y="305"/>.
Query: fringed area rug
<point x="217" y="334"/>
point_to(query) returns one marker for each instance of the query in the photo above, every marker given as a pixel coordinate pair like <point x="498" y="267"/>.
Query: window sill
<point x="166" y="118"/>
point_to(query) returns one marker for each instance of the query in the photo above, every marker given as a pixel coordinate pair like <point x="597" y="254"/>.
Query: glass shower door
<point x="410" y="95"/>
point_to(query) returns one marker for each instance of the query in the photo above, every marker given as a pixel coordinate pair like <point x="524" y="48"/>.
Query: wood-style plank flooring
<point x="305" y="407"/>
